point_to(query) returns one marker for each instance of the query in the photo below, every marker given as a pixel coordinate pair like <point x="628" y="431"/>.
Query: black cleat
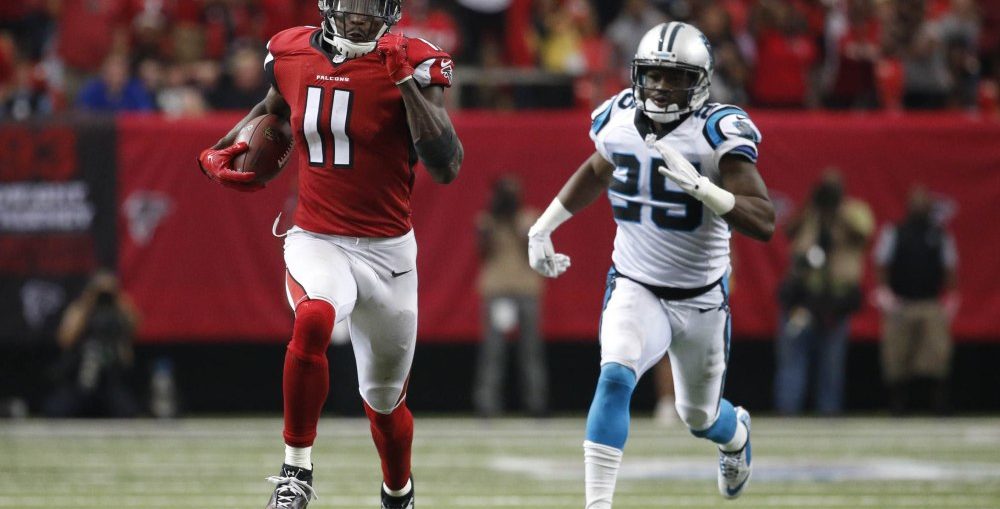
<point x="402" y="502"/>
<point x="294" y="488"/>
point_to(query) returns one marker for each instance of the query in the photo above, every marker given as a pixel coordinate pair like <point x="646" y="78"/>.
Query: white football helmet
<point x="336" y="23"/>
<point x="671" y="71"/>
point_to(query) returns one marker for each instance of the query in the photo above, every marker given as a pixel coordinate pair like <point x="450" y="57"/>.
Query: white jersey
<point x="665" y="236"/>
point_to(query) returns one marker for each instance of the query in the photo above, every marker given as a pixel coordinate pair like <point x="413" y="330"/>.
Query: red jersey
<point x="355" y="151"/>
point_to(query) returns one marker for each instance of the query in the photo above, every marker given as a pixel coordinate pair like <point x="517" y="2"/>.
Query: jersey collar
<point x="645" y="126"/>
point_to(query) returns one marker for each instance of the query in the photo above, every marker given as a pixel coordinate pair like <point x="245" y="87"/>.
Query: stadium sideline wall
<point x="79" y="193"/>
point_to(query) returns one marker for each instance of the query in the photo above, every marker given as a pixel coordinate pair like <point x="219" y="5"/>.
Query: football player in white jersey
<point x="680" y="174"/>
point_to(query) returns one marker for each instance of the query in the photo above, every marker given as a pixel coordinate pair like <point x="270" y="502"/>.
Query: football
<point x="269" y="139"/>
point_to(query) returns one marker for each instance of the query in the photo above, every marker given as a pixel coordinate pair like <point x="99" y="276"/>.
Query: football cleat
<point x="401" y="502"/>
<point x="294" y="488"/>
<point x="734" y="467"/>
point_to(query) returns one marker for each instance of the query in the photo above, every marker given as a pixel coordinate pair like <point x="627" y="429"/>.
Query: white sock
<point x="400" y="492"/>
<point x="601" y="464"/>
<point x="299" y="457"/>
<point x="739" y="439"/>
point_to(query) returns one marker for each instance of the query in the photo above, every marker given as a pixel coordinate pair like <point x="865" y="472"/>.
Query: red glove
<point x="392" y="50"/>
<point x="216" y="164"/>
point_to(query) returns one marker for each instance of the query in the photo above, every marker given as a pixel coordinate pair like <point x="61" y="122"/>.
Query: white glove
<point x="682" y="173"/>
<point x="543" y="257"/>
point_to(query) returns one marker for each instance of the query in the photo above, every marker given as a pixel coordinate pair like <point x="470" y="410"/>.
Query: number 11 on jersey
<point x="318" y="134"/>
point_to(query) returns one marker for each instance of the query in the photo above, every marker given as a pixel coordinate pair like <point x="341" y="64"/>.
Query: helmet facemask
<point x="353" y="27"/>
<point x="666" y="90"/>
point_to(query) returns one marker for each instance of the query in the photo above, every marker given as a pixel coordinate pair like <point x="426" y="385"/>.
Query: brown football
<point x="269" y="139"/>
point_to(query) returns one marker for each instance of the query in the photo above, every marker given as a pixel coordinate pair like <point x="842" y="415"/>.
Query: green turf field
<point x="221" y="463"/>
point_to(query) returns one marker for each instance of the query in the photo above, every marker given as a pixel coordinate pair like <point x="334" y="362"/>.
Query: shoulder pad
<point x="727" y="122"/>
<point x="289" y="39"/>
<point x="602" y="115"/>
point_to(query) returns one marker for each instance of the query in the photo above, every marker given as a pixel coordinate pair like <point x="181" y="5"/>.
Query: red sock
<point x="393" y="436"/>
<point x="306" y="379"/>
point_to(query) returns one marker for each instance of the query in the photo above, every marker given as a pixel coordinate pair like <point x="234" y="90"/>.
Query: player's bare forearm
<point x="433" y="135"/>
<point x="753" y="213"/>
<point x="590" y="181"/>
<point x="272" y="103"/>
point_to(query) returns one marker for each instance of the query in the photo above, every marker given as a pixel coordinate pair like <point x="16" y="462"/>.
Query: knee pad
<point x="313" y="327"/>
<point x="383" y="399"/>
<point x="695" y="417"/>
<point x="608" y="419"/>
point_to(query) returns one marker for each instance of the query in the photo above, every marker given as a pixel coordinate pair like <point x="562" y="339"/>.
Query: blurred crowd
<point x="185" y="57"/>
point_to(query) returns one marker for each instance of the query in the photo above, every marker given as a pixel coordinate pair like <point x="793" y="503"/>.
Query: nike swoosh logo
<point x="734" y="491"/>
<point x="397" y="274"/>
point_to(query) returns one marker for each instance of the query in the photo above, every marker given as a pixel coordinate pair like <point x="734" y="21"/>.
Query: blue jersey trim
<point x="712" y="132"/>
<point x="745" y="151"/>
<point x="602" y="118"/>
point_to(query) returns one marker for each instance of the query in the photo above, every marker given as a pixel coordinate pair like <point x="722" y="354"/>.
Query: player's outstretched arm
<point x="433" y="135"/>
<point x="589" y="182"/>
<point x="753" y="212"/>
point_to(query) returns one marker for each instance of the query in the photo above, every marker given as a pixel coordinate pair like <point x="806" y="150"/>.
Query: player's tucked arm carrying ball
<point x="216" y="162"/>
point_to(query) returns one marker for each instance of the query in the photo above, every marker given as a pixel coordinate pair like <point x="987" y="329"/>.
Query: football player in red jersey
<point x="363" y="104"/>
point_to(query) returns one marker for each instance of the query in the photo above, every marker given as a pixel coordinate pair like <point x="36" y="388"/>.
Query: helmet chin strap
<point x="346" y="48"/>
<point x="657" y="114"/>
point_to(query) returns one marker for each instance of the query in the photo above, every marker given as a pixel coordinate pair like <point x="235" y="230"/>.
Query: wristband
<point x="555" y="215"/>
<point x="714" y="197"/>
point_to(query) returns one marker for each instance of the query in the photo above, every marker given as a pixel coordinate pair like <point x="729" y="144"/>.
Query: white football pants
<point x="371" y="283"/>
<point x="638" y="328"/>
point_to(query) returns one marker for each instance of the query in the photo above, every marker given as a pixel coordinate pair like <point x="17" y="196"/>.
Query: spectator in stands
<point x="510" y="291"/>
<point x="243" y="84"/>
<point x="24" y="93"/>
<point x="624" y="32"/>
<point x="927" y="81"/>
<point x="483" y="24"/>
<point x="95" y="336"/>
<point x="960" y="30"/>
<point x="115" y="89"/>
<point x="786" y="52"/>
<point x="853" y="43"/>
<point x="88" y="32"/>
<point x="569" y="43"/>
<point x="30" y="24"/>
<point x="820" y="292"/>
<point x="182" y="92"/>
<point x="916" y="264"/>
<point x="730" y="79"/>
<point x="431" y="24"/>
